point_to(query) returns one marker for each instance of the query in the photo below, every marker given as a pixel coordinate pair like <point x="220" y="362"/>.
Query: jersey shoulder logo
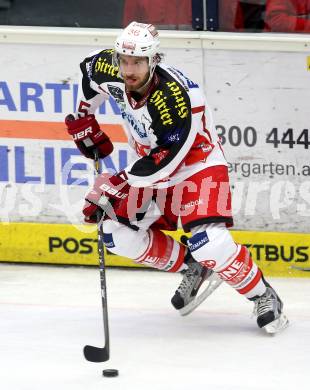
<point x="116" y="92"/>
<point x="159" y="100"/>
<point x="104" y="67"/>
<point x="180" y="103"/>
<point x="170" y="100"/>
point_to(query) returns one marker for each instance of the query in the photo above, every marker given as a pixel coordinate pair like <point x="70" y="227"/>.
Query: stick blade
<point x="95" y="354"/>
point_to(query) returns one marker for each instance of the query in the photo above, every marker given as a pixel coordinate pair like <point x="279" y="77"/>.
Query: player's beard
<point x="137" y="86"/>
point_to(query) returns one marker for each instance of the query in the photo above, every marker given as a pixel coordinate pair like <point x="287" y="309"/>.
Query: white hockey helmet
<point x="140" y="40"/>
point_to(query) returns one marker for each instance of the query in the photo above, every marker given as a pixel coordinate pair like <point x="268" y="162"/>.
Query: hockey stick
<point x="91" y="353"/>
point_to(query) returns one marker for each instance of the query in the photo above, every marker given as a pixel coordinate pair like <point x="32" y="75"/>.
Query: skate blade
<point x="212" y="284"/>
<point x="278" y="325"/>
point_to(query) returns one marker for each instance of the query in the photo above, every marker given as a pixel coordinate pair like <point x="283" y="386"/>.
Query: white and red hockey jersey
<point x="169" y="128"/>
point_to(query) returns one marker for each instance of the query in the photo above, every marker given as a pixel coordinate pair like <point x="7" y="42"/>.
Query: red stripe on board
<point x="51" y="130"/>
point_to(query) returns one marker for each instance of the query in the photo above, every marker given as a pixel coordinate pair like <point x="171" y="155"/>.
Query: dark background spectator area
<point x="62" y="13"/>
<point x="170" y="14"/>
<point x="221" y="15"/>
<point x="242" y="15"/>
<point x="165" y="14"/>
<point x="224" y="15"/>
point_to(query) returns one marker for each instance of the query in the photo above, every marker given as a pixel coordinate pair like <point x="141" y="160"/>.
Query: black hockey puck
<point x="110" y="372"/>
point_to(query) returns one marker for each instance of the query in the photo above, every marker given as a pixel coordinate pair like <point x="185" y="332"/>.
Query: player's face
<point x="135" y="71"/>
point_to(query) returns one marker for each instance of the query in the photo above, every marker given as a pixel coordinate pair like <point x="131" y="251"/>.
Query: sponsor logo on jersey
<point x="197" y="241"/>
<point x="158" y="157"/>
<point x="108" y="240"/>
<point x="116" y="92"/>
<point x="181" y="105"/>
<point x="206" y="148"/>
<point x="90" y="65"/>
<point x="104" y="66"/>
<point x="137" y="126"/>
<point x="159" y="101"/>
<point x="172" y="137"/>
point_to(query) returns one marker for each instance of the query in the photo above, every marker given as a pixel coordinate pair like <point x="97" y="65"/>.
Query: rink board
<point x="257" y="86"/>
<point x="277" y="254"/>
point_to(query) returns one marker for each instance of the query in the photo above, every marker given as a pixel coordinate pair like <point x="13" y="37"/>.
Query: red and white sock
<point x="242" y="274"/>
<point x="163" y="252"/>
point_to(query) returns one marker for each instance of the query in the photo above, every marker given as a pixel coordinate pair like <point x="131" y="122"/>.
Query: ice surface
<point x="48" y="313"/>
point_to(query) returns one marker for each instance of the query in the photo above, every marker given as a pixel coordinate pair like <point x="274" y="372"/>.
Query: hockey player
<point x="179" y="171"/>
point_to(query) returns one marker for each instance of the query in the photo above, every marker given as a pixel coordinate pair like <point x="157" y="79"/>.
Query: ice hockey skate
<point x="268" y="309"/>
<point x="186" y="297"/>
